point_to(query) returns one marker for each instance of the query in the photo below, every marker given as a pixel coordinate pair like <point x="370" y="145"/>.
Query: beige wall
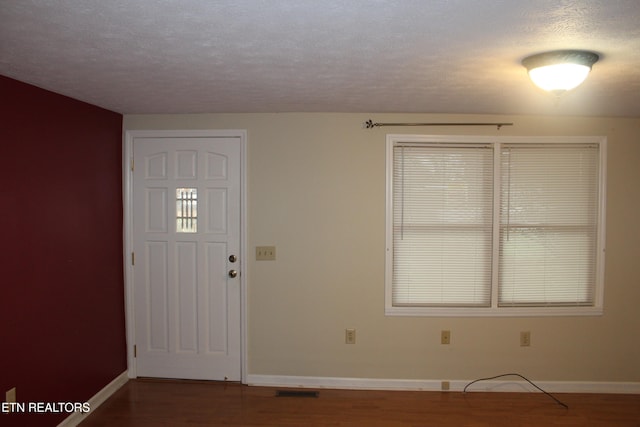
<point x="316" y="190"/>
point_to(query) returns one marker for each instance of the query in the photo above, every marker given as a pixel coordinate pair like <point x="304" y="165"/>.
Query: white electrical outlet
<point x="445" y="337"/>
<point x="350" y="336"/>
<point x="10" y="397"/>
<point x="525" y="339"/>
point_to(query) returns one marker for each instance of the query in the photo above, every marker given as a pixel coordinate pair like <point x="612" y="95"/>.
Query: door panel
<point x="186" y="224"/>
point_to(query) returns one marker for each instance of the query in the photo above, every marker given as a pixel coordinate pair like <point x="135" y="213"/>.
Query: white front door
<point x="186" y="247"/>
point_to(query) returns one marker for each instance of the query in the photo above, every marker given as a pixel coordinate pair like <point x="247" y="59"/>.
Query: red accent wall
<point x="62" y="331"/>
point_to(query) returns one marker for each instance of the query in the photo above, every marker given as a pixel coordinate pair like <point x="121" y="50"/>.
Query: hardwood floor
<point x="198" y="403"/>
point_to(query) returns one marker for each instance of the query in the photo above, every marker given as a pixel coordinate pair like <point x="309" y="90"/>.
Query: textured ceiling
<point x="189" y="56"/>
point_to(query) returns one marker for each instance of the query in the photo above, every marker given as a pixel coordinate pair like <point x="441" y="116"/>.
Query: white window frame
<point x="494" y="310"/>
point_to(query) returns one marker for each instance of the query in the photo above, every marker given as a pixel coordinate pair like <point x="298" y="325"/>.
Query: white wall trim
<point x="98" y="399"/>
<point x="501" y="385"/>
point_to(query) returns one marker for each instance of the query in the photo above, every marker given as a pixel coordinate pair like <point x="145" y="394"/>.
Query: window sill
<point x="493" y="312"/>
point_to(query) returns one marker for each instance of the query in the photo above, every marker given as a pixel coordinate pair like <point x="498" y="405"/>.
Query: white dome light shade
<point x="559" y="76"/>
<point x="561" y="70"/>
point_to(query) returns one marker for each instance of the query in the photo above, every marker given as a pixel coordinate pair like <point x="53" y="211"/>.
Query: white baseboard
<point x="97" y="400"/>
<point x="507" y="384"/>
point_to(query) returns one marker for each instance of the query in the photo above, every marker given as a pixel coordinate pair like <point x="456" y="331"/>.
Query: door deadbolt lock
<point x="233" y="258"/>
<point x="233" y="273"/>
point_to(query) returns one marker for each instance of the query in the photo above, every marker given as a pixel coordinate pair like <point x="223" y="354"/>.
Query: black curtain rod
<point x="369" y="124"/>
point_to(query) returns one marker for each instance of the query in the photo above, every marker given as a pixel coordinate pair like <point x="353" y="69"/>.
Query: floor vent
<point x="297" y="393"/>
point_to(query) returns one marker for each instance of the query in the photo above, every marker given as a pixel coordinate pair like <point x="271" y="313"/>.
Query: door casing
<point x="127" y="194"/>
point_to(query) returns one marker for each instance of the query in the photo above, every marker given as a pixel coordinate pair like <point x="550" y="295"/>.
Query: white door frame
<point x="127" y="193"/>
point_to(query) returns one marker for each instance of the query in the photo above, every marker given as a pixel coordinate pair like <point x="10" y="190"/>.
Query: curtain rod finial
<point x="369" y="124"/>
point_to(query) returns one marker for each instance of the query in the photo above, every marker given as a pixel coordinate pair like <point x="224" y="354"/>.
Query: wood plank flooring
<point x="198" y="403"/>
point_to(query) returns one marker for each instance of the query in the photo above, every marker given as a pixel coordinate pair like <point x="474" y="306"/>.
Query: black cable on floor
<point x="517" y="375"/>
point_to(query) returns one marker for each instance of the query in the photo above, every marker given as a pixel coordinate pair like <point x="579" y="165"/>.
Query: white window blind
<point x="548" y="224"/>
<point x="442" y="225"/>
<point x="495" y="226"/>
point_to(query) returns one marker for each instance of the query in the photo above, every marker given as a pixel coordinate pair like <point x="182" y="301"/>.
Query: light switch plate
<point x="265" y="253"/>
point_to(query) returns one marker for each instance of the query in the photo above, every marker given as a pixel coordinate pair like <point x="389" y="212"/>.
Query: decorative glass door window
<point x="186" y="210"/>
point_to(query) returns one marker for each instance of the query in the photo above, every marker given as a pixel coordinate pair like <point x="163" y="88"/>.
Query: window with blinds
<point x="442" y="225"/>
<point x="501" y="226"/>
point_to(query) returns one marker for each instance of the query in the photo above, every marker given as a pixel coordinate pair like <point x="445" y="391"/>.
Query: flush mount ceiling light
<point x="560" y="70"/>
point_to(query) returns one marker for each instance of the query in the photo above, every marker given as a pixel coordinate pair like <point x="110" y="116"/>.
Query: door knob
<point x="233" y="273"/>
<point x="233" y="258"/>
